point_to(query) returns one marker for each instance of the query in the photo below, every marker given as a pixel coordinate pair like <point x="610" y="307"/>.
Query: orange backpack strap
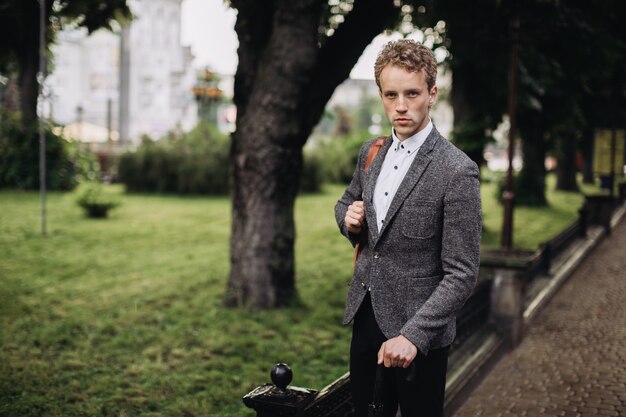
<point x="375" y="148"/>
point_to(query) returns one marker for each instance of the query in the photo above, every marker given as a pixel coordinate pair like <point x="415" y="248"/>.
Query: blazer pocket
<point x="425" y="281"/>
<point x="418" y="221"/>
<point x="418" y="292"/>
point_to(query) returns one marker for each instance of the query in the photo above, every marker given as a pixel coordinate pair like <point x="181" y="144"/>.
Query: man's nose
<point x="401" y="105"/>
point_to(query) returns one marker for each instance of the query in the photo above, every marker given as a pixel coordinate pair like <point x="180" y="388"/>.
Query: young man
<point x="416" y="215"/>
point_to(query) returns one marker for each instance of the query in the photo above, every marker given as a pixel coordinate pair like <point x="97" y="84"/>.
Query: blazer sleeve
<point x="460" y="258"/>
<point x="353" y="193"/>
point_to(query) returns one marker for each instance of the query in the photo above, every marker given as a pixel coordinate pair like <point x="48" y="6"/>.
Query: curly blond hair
<point x="410" y="55"/>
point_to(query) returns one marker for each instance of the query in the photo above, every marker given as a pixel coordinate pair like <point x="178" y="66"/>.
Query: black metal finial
<point x="281" y="375"/>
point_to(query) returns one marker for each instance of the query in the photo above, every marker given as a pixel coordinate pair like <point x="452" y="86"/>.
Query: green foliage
<point x="311" y="176"/>
<point x="19" y="158"/>
<point x="96" y="199"/>
<point x="193" y="163"/>
<point x="338" y="156"/>
<point x="19" y="36"/>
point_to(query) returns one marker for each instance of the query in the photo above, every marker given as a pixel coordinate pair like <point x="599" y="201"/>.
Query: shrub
<point x="338" y="156"/>
<point x="311" y="176"/>
<point x="96" y="199"/>
<point x="193" y="163"/>
<point x="19" y="157"/>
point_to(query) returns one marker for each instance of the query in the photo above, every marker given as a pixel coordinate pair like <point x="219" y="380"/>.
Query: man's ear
<point x="433" y="95"/>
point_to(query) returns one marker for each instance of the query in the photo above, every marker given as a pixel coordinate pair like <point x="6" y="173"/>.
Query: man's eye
<point x="390" y="95"/>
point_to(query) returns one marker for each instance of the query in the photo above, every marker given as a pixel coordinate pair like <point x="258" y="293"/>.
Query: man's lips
<point x="403" y="121"/>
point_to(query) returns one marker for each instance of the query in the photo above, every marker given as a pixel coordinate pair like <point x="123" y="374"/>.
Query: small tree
<point x="19" y="36"/>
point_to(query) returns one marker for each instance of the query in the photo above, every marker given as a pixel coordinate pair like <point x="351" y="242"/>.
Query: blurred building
<point x="135" y="80"/>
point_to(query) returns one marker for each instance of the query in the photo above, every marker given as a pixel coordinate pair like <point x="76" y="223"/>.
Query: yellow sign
<point x="602" y="154"/>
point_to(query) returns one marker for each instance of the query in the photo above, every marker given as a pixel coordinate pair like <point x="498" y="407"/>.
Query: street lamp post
<point x="508" y="194"/>
<point x="42" y="136"/>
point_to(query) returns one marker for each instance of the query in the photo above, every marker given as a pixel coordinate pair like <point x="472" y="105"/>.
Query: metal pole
<point x="508" y="195"/>
<point x="42" y="136"/>
<point x="613" y="157"/>
<point x="124" y="86"/>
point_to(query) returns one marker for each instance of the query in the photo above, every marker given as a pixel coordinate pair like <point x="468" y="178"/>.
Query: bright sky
<point x="208" y="26"/>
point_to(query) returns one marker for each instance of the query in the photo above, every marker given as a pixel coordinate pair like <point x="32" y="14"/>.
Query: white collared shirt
<point x="398" y="159"/>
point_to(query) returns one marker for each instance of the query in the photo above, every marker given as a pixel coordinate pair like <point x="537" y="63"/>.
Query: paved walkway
<point x="572" y="361"/>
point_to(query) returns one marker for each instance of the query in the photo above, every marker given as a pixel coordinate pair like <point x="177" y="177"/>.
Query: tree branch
<point x="341" y="51"/>
<point x="253" y="27"/>
<point x="283" y="73"/>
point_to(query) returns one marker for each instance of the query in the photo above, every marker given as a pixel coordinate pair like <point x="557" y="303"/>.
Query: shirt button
<point x="386" y="193"/>
<point x="396" y="167"/>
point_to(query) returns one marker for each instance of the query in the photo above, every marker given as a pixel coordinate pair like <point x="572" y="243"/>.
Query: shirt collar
<point x="413" y="143"/>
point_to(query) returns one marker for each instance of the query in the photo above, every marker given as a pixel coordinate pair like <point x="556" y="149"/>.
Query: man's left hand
<point x="397" y="352"/>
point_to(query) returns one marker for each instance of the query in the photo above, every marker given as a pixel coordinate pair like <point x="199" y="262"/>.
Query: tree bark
<point x="479" y="58"/>
<point x="530" y="185"/>
<point x="587" y="154"/>
<point x="469" y="130"/>
<point x="566" y="163"/>
<point x="283" y="81"/>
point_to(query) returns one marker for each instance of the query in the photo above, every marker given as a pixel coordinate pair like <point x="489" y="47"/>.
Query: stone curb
<point x="461" y="381"/>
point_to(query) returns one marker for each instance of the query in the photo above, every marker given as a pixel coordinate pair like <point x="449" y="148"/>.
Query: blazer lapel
<point x="368" y="190"/>
<point x="417" y="168"/>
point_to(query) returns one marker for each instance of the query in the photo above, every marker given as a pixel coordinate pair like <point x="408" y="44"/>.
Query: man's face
<point x="406" y="99"/>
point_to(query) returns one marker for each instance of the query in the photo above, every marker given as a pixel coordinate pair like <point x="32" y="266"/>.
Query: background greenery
<point x="192" y="163"/>
<point x="124" y="317"/>
<point x="66" y="163"/>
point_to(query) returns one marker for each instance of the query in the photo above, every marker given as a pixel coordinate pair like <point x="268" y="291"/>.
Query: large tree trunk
<point x="283" y="81"/>
<point x="566" y="163"/>
<point x="530" y="187"/>
<point x="587" y="154"/>
<point x="469" y="132"/>
<point x="263" y="231"/>
<point x="266" y="152"/>
<point x="476" y="104"/>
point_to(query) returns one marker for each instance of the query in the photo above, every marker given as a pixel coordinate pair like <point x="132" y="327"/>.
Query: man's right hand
<point x="355" y="216"/>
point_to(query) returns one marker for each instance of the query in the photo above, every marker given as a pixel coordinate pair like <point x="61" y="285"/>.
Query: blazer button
<point x="376" y="255"/>
<point x="363" y="285"/>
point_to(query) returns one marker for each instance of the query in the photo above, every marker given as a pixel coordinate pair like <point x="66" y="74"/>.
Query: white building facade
<point x="137" y="80"/>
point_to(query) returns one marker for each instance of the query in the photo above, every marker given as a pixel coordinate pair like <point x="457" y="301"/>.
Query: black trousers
<point x="420" y="396"/>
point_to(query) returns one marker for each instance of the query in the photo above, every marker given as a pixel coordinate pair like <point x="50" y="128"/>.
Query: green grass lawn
<point x="123" y="316"/>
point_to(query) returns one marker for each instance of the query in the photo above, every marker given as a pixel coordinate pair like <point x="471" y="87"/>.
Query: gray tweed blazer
<point x="422" y="266"/>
